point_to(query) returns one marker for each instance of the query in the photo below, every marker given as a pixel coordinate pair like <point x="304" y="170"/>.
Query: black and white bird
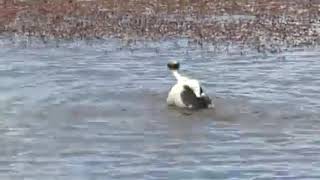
<point x="186" y="93"/>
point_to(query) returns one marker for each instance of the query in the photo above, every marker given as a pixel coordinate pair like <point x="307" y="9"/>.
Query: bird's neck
<point x="176" y="75"/>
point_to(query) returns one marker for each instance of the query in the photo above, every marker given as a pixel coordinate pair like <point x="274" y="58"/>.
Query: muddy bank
<point x="263" y="24"/>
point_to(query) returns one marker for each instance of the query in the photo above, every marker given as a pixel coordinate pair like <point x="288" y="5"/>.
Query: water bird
<point x="187" y="92"/>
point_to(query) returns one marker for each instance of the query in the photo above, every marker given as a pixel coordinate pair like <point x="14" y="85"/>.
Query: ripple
<point x="98" y="111"/>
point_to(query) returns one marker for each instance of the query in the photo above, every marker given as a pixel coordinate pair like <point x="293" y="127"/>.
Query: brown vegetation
<point x="259" y="22"/>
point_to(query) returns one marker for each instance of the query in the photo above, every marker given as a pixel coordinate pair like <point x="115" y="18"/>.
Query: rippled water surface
<point x="98" y="111"/>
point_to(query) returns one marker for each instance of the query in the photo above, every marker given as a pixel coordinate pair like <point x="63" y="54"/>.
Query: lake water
<point x="98" y="110"/>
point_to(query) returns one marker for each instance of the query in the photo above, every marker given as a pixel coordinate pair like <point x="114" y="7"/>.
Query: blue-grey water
<point x="97" y="110"/>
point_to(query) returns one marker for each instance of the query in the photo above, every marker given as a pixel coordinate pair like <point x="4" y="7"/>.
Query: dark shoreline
<point x="261" y="24"/>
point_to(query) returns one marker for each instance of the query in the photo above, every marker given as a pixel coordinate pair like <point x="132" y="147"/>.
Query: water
<point x="97" y="111"/>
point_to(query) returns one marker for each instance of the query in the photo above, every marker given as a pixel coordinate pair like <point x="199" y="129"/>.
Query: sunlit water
<point x="98" y="111"/>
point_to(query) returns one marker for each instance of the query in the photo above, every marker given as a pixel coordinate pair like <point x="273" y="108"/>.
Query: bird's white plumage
<point x="174" y="96"/>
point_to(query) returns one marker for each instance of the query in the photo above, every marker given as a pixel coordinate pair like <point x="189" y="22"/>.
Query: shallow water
<point x="97" y="111"/>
